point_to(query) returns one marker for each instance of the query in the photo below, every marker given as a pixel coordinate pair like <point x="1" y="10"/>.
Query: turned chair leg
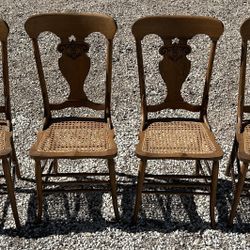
<point x="111" y="166"/>
<point x="141" y="176"/>
<point x="232" y="157"/>
<point x="14" y="160"/>
<point x="55" y="166"/>
<point x="214" y="181"/>
<point x="239" y="187"/>
<point x="10" y="189"/>
<point x="197" y="167"/>
<point x="39" y="187"/>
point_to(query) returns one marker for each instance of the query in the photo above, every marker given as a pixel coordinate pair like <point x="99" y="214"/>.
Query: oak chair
<point x="176" y="138"/>
<point x="78" y="137"/>
<point x="7" y="149"/>
<point x="241" y="146"/>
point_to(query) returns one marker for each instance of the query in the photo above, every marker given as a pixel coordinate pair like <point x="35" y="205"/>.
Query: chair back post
<point x="108" y="82"/>
<point x="6" y="82"/>
<point x="4" y="32"/>
<point x="144" y="112"/>
<point x="242" y="83"/>
<point x="47" y="111"/>
<point x="205" y="97"/>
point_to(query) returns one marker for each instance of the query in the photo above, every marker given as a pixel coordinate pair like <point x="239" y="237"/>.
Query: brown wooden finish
<point x="176" y="138"/>
<point x="75" y="137"/>
<point x="65" y="25"/>
<point x="10" y="189"/>
<point x="241" y="145"/>
<point x="74" y="62"/>
<point x="4" y="31"/>
<point x="7" y="149"/>
<point x="188" y="26"/>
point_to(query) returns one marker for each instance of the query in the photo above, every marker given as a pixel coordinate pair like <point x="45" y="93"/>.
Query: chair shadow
<point x="63" y="214"/>
<point x="193" y="221"/>
<point x="163" y="203"/>
<point x="224" y="201"/>
<point x="82" y="212"/>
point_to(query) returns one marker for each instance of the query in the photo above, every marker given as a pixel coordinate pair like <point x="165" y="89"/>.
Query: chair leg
<point x="239" y="187"/>
<point x="213" y="192"/>
<point x="111" y="166"/>
<point x="14" y="160"/>
<point x="10" y="189"/>
<point x="39" y="187"/>
<point x="232" y="157"/>
<point x="55" y="166"/>
<point x="141" y="176"/>
<point x="197" y="167"/>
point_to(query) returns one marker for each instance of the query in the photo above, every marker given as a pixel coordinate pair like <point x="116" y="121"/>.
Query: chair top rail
<point x="177" y="26"/>
<point x="65" y="25"/>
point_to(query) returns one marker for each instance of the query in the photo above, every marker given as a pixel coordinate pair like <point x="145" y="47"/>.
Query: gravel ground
<point x="85" y="221"/>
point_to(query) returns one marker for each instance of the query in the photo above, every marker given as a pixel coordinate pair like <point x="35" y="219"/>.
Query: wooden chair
<point x="176" y="138"/>
<point x="68" y="137"/>
<point x="241" y="146"/>
<point x="7" y="149"/>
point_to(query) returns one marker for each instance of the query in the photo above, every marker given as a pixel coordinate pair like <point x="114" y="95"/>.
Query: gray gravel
<point x="85" y="221"/>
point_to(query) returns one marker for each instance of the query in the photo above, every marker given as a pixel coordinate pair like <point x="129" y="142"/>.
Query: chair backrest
<point x="4" y="32"/>
<point x="242" y="108"/>
<point x="175" y="31"/>
<point x="74" y="62"/>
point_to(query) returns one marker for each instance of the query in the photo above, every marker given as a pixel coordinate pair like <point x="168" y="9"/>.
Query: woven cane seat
<point x="178" y="139"/>
<point x="75" y="139"/>
<point x="5" y="147"/>
<point x="246" y="139"/>
<point x="244" y="144"/>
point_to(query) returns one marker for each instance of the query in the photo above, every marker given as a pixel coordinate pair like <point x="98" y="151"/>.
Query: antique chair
<point x="74" y="137"/>
<point x="7" y="150"/>
<point x="176" y="138"/>
<point x="241" y="146"/>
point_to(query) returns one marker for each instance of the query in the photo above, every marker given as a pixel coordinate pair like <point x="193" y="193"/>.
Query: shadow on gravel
<point x="192" y="222"/>
<point x="76" y="213"/>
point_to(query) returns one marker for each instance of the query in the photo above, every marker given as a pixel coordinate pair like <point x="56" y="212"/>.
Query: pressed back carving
<point x="174" y="69"/>
<point x="74" y="63"/>
<point x="175" y="31"/>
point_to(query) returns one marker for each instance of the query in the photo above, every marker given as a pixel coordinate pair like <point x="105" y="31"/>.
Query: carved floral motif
<point x="174" y="69"/>
<point x="175" y="51"/>
<point x="74" y="65"/>
<point x="73" y="49"/>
